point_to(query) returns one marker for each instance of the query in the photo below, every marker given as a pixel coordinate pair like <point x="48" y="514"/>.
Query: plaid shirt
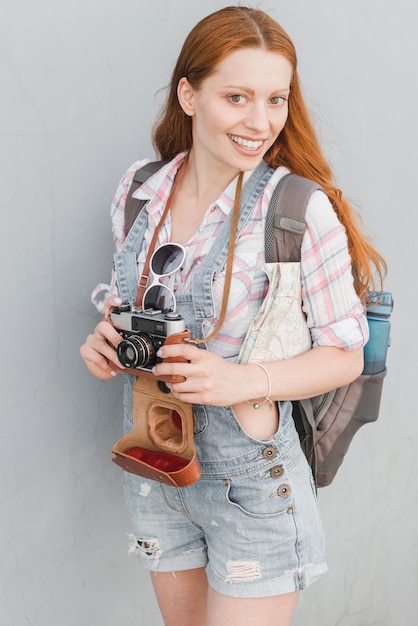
<point x="334" y="313"/>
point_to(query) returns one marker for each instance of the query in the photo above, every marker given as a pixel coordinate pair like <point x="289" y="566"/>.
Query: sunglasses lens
<point x="167" y="259"/>
<point x="159" y="298"/>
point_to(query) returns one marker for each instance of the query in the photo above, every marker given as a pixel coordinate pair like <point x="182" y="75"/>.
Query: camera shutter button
<point x="171" y="315"/>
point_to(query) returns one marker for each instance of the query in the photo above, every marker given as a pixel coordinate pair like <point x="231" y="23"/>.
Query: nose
<point x="257" y="118"/>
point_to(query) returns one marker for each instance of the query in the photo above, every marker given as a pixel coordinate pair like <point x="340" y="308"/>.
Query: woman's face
<point x="239" y="110"/>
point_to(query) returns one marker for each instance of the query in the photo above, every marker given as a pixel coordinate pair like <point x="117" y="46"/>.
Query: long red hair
<point x="297" y="146"/>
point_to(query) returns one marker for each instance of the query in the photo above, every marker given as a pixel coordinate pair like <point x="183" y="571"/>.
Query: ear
<point x="185" y="94"/>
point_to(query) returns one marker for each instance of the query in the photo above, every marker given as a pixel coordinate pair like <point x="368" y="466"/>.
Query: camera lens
<point x="137" y="351"/>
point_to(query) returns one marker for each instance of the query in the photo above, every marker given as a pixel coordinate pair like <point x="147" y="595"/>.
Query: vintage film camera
<point x="144" y="332"/>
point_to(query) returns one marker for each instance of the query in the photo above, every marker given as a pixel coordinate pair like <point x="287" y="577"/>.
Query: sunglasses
<point x="165" y="262"/>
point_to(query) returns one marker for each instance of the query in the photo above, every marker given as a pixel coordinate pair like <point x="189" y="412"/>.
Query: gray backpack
<point x="326" y="424"/>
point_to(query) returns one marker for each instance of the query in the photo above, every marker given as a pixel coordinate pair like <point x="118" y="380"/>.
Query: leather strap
<point x="229" y="262"/>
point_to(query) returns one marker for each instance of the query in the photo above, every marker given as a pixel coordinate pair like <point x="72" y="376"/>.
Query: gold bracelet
<point x="257" y="405"/>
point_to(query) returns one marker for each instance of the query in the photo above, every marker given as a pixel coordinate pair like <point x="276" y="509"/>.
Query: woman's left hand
<point x="209" y="379"/>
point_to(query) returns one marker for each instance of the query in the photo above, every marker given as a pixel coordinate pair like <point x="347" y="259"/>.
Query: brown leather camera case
<point x="160" y="445"/>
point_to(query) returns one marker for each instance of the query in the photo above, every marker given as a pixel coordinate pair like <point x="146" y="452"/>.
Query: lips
<point x="248" y="144"/>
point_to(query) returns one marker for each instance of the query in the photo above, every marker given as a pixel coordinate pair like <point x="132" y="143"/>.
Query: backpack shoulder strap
<point x="133" y="206"/>
<point x="285" y="227"/>
<point x="285" y="221"/>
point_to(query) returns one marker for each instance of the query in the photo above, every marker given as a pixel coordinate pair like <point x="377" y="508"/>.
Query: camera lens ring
<point x="137" y="351"/>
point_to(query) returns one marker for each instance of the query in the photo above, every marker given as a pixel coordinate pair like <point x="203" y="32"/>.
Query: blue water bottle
<point x="379" y="310"/>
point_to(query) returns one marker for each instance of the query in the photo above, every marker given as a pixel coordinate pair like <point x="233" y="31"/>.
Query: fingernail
<point x="159" y="352"/>
<point x="117" y="300"/>
<point x="113" y="373"/>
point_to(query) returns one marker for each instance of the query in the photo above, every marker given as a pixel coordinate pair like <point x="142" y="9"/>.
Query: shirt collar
<point x="227" y="198"/>
<point x="159" y="184"/>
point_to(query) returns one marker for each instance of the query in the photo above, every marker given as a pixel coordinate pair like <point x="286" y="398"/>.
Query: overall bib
<point x="252" y="518"/>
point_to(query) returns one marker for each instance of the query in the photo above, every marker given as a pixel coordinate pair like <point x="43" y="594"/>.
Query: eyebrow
<point x="251" y="91"/>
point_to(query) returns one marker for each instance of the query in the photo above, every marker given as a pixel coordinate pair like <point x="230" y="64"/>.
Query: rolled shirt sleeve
<point x="335" y="314"/>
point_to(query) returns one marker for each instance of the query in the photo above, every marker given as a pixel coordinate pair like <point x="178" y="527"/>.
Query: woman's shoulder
<point x="122" y="191"/>
<point x="128" y="175"/>
<point x="161" y="168"/>
<point x="320" y="217"/>
<point x="117" y="210"/>
<point x="320" y="214"/>
<point x="319" y="209"/>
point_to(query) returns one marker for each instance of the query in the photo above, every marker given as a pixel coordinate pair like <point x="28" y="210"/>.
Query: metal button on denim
<point x="269" y="453"/>
<point x="284" y="491"/>
<point x="277" y="471"/>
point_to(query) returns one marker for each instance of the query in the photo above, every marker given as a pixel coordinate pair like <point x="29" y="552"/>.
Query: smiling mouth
<point x="246" y="143"/>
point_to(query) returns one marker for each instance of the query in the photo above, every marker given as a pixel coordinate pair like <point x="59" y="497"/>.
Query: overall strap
<point x="285" y="221"/>
<point x="217" y="255"/>
<point x="126" y="260"/>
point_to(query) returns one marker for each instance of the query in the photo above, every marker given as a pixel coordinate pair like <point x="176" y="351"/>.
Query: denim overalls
<point x="252" y="519"/>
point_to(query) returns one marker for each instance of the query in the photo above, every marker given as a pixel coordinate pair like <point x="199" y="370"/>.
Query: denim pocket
<point x="264" y="496"/>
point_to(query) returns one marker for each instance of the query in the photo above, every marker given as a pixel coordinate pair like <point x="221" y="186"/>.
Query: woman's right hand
<point x="99" y="350"/>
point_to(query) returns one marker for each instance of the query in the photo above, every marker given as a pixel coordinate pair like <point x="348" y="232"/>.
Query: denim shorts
<point x="251" y="520"/>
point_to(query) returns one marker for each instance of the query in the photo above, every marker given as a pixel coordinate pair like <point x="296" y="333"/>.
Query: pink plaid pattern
<point x="334" y="312"/>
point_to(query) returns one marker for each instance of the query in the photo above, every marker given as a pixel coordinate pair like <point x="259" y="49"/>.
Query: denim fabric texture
<point x="252" y="519"/>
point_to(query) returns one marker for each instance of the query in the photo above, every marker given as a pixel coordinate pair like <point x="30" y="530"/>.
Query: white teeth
<point x="246" y="143"/>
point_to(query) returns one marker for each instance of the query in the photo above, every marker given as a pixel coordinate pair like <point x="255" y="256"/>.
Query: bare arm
<point x="213" y="380"/>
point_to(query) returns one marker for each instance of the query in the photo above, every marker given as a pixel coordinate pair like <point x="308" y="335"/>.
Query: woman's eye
<point x="237" y="99"/>
<point x="278" y="100"/>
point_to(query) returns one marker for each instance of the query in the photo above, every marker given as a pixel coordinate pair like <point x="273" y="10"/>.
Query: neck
<point x="204" y="181"/>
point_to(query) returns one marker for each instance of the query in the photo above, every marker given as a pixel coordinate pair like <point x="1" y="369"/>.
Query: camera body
<point x="143" y="332"/>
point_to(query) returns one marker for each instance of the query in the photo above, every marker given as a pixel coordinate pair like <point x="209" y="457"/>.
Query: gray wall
<point x="78" y="93"/>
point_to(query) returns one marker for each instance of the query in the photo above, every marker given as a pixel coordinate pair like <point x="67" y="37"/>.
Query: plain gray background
<point x="79" y="88"/>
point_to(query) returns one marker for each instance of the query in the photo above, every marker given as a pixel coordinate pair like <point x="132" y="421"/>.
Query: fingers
<point x="105" y="331"/>
<point x="186" y="352"/>
<point x="169" y="378"/>
<point x="186" y="368"/>
<point x="210" y="379"/>
<point x="109" y="303"/>
<point x="99" y="354"/>
<point x="99" y="350"/>
<point x="97" y="364"/>
<point x="176" y="360"/>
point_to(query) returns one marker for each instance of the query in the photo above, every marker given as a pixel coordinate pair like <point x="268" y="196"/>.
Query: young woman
<point x="237" y="546"/>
